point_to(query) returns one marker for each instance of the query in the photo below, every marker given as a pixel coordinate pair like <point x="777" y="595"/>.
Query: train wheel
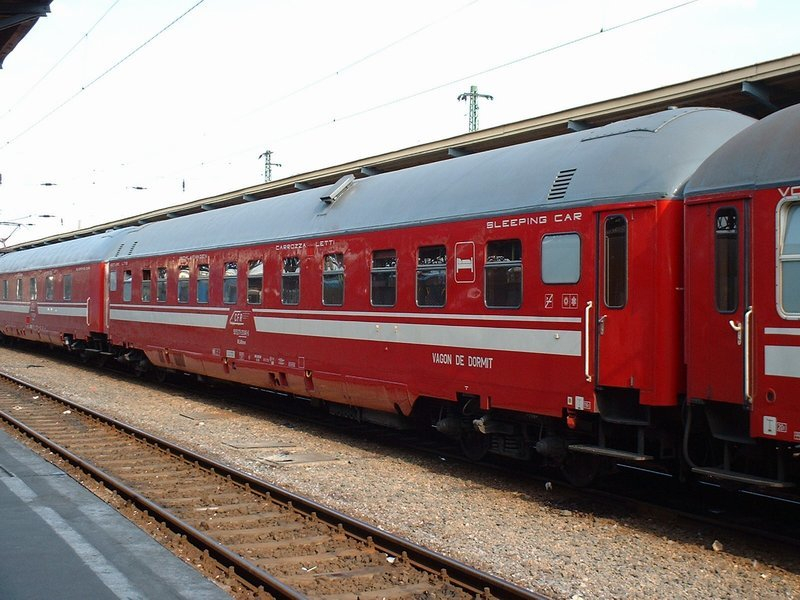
<point x="474" y="445"/>
<point x="581" y="469"/>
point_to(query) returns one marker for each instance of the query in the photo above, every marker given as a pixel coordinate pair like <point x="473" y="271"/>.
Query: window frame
<point x="67" y="283"/>
<point x="490" y="267"/>
<point x="389" y="272"/>
<point x="334" y="260"/>
<point x="607" y="258"/>
<point x="783" y="210"/>
<point x="226" y="283"/>
<point x="127" y="285"/>
<point x="203" y="283"/>
<point x="162" y="280"/>
<point x="287" y="276"/>
<point x="430" y="268"/>
<point x="183" y="284"/>
<point x="545" y="254"/>
<point x="729" y="280"/>
<point x="146" y="289"/>
<point x="50" y="287"/>
<point x="252" y="287"/>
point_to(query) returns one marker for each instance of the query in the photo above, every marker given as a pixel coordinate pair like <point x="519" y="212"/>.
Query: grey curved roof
<point x="763" y="155"/>
<point x="649" y="156"/>
<point x="73" y="252"/>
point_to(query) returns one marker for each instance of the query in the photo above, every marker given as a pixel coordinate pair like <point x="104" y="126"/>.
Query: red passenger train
<point x="623" y="294"/>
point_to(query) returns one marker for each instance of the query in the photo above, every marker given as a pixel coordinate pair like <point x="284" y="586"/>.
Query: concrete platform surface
<point x="58" y="540"/>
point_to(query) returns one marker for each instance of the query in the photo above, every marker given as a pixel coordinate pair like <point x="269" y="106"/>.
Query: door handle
<point x="737" y="327"/>
<point x="601" y="324"/>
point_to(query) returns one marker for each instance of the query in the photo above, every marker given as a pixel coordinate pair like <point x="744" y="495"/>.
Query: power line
<point x="252" y="147"/>
<point x="362" y="59"/>
<point x="316" y="82"/>
<point x="536" y="54"/>
<point x="60" y="60"/>
<point x="101" y="76"/>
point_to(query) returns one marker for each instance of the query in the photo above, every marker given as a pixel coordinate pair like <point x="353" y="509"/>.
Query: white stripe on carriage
<point x="783" y="361"/>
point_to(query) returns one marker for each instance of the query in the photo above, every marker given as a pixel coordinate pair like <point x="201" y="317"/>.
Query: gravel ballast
<point x="545" y="540"/>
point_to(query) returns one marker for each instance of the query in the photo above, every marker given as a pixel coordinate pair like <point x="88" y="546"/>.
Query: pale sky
<point x="88" y="104"/>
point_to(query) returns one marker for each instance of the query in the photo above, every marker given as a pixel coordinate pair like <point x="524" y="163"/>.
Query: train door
<point x="718" y="303"/>
<point x="624" y="301"/>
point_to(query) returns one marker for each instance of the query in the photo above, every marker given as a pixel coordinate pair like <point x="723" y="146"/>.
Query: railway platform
<point x="58" y="540"/>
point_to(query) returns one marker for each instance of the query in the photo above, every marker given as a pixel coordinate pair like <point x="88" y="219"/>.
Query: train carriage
<point x="529" y="296"/>
<point x="57" y="294"/>
<point x="743" y="304"/>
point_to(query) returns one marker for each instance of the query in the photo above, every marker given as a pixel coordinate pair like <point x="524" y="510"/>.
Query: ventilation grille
<point x="121" y="246"/>
<point x="559" y="188"/>
<point x="133" y="245"/>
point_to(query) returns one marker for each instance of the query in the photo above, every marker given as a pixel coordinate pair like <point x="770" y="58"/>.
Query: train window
<point x="49" y="287"/>
<point x="789" y="258"/>
<point x="384" y="278"/>
<point x="503" y="274"/>
<point x="230" y="282"/>
<point x="127" y="285"/>
<point x="561" y="258"/>
<point x="112" y="280"/>
<point x="146" y="285"/>
<point x="202" y="283"/>
<point x="161" y="284"/>
<point x="290" y="280"/>
<point x="726" y="260"/>
<point x="616" y="262"/>
<point x="333" y="280"/>
<point x="431" y="276"/>
<point x="183" y="284"/>
<point x="255" y="281"/>
<point x="33" y="288"/>
<point x="19" y="289"/>
<point x="67" y="287"/>
<point x="5" y="289"/>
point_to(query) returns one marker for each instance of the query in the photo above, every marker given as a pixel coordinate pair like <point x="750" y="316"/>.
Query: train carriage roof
<point x="764" y="155"/>
<point x="73" y="252"/>
<point x="646" y="157"/>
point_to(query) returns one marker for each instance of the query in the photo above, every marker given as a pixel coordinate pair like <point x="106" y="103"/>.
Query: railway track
<point x="269" y="542"/>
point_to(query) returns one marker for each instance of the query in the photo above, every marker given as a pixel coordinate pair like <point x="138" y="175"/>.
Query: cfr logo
<point x="238" y="317"/>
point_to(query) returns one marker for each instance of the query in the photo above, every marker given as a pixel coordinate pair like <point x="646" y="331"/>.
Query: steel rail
<point x="455" y="572"/>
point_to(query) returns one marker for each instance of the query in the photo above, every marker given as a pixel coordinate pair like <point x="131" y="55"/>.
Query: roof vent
<point x="133" y="245"/>
<point x="559" y="188"/>
<point x="338" y="189"/>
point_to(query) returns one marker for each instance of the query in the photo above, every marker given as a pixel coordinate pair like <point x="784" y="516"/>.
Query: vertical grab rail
<point x="88" y="300"/>
<point x="748" y="320"/>
<point x="586" y="343"/>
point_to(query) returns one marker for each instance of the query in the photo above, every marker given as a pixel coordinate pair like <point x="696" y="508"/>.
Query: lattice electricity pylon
<point x="473" y="96"/>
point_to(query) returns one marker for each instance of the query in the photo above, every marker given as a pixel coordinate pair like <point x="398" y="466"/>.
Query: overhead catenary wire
<point x="452" y="82"/>
<point x="339" y="71"/>
<point x="515" y="61"/>
<point x="363" y="59"/>
<point x="226" y="156"/>
<point x="81" y="39"/>
<point x="100" y="76"/>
